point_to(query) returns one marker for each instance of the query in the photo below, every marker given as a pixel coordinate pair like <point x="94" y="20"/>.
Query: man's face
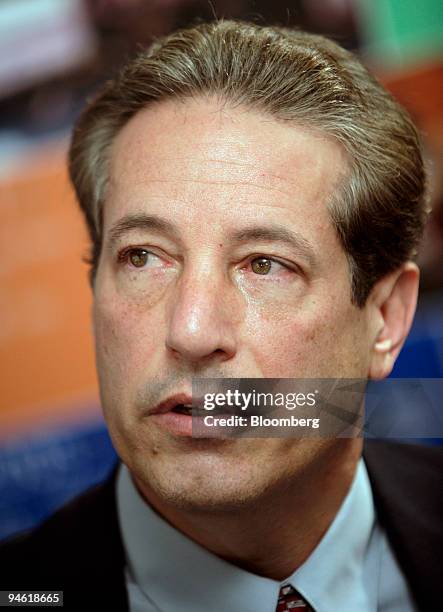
<point x="236" y="271"/>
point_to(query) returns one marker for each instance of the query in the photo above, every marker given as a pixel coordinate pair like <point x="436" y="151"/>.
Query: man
<point x="254" y="200"/>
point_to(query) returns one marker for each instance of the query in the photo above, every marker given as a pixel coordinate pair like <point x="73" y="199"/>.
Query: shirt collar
<point x="332" y="578"/>
<point x="177" y="574"/>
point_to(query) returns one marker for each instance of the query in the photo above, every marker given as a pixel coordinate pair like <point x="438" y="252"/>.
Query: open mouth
<point x="190" y="410"/>
<point x="183" y="404"/>
<point x="183" y="415"/>
<point x="184" y="409"/>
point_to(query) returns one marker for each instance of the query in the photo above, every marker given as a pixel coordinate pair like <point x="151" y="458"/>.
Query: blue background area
<point x="38" y="474"/>
<point x="422" y="354"/>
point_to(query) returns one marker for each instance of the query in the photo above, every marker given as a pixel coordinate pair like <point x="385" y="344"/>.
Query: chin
<point x="200" y="484"/>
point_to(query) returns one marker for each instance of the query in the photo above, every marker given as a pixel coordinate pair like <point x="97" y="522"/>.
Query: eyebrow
<point x="140" y="221"/>
<point x="277" y="233"/>
<point x="262" y="233"/>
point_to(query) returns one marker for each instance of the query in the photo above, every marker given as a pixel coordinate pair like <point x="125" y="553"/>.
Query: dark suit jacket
<point x="79" y="549"/>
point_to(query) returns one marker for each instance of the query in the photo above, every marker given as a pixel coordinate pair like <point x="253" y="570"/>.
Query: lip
<point x="179" y="424"/>
<point x="173" y="422"/>
<point x="169" y="403"/>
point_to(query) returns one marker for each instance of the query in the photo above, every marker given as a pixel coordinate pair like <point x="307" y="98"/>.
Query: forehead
<point x="201" y="155"/>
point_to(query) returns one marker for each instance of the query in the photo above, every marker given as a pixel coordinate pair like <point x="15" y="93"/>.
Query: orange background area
<point x="46" y="346"/>
<point x="421" y="92"/>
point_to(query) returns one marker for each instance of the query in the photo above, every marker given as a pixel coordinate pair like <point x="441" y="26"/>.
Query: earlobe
<point x="395" y="299"/>
<point x="383" y="346"/>
<point x="382" y="360"/>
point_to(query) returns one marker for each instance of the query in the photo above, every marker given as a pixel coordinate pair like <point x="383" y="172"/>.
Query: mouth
<point x="183" y="404"/>
<point x="180" y="403"/>
<point x="183" y="409"/>
<point x="174" y="414"/>
<point x="180" y="415"/>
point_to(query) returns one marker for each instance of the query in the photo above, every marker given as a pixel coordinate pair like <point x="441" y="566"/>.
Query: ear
<point x="393" y="301"/>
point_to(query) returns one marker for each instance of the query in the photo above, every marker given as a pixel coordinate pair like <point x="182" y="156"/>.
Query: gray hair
<point x="380" y="209"/>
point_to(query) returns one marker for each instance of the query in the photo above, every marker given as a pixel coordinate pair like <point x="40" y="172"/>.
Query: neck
<point x="273" y="536"/>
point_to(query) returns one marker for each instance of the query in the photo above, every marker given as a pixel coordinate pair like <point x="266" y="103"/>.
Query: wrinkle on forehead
<point x="199" y="181"/>
<point x="237" y="146"/>
<point x="241" y="164"/>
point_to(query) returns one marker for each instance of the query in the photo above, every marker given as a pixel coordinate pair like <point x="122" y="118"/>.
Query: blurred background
<point x="53" y="55"/>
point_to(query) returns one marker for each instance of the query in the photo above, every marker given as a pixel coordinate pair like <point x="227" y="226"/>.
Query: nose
<point x="203" y="319"/>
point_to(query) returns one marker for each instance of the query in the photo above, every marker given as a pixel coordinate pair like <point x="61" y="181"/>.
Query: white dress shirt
<point x="352" y="569"/>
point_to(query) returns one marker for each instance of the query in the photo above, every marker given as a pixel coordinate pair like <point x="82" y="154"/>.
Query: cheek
<point x="319" y="338"/>
<point x="143" y="290"/>
<point x="128" y="319"/>
<point x="125" y="342"/>
<point x="282" y="342"/>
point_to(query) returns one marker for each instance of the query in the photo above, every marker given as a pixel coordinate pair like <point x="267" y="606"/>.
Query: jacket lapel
<point x="407" y="486"/>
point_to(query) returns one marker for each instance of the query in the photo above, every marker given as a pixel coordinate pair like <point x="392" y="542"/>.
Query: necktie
<point x="289" y="599"/>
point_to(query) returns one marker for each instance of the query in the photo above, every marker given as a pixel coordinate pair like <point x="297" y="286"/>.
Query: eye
<point x="138" y="257"/>
<point x="261" y="265"/>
